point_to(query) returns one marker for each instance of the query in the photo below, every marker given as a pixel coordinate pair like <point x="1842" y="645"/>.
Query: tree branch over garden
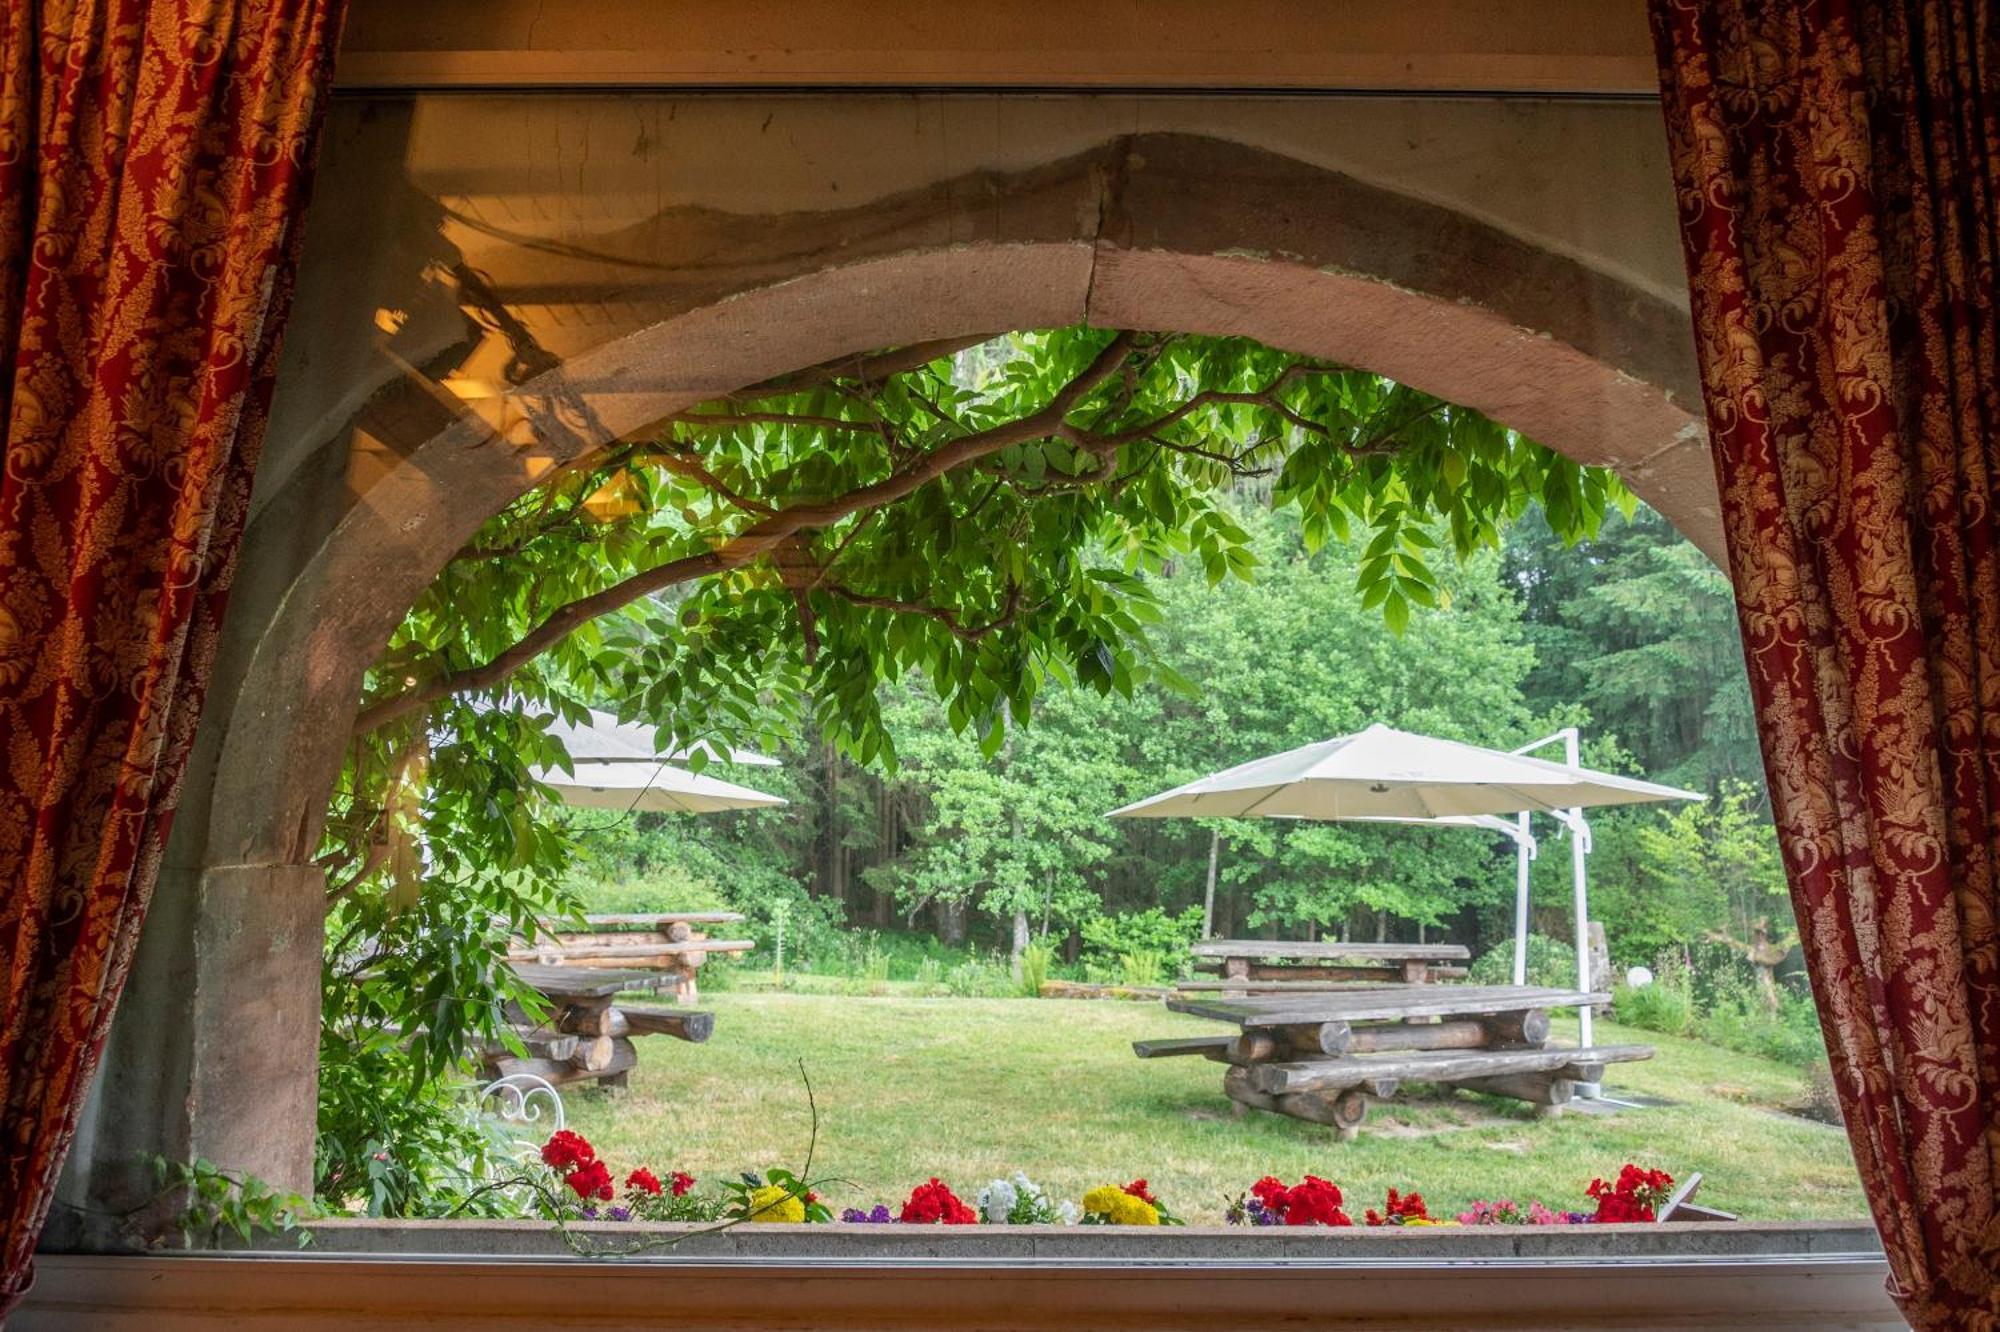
<point x="996" y="493"/>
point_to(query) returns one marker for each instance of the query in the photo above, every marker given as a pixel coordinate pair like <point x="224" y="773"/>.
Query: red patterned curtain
<point x="154" y="156"/>
<point x="1838" y="172"/>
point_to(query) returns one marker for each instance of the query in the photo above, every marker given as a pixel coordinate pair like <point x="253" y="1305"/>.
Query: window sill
<point x="502" y="1275"/>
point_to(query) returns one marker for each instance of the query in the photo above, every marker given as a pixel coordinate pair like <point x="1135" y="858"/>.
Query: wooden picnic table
<point x="1252" y="964"/>
<point x="666" y="941"/>
<point x="587" y="1035"/>
<point x="1324" y="1056"/>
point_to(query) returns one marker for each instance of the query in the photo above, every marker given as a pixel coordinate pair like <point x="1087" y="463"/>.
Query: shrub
<point x="1664" y="1006"/>
<point x="1107" y="939"/>
<point x="861" y="962"/>
<point x="1142" y="968"/>
<point x="1738" y="1020"/>
<point x="975" y="978"/>
<point x="930" y="976"/>
<point x="1035" y="961"/>
<point x="1731" y="1015"/>
<point x="1551" y="964"/>
<point x="420" y="1149"/>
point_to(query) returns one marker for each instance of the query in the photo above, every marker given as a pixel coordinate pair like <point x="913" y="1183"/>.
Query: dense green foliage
<point x="970" y="843"/>
<point x="956" y="843"/>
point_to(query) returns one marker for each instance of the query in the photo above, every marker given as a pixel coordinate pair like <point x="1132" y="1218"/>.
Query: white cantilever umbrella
<point x="657" y="788"/>
<point x="1383" y="775"/>
<point x="605" y="739"/>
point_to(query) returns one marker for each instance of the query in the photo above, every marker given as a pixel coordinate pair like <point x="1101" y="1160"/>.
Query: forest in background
<point x="1630" y="635"/>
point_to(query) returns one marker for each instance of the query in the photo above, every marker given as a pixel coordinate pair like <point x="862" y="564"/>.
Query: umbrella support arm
<point x="1579" y="848"/>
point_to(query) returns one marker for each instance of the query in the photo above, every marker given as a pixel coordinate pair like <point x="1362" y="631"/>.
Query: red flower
<point x="1270" y="1191"/>
<point x="1635" y="1197"/>
<point x="644" y="1180"/>
<point x="592" y="1179"/>
<point x="566" y="1150"/>
<point x="680" y="1182"/>
<point x="935" y="1204"/>
<point x="1137" y="1188"/>
<point x="1312" y="1202"/>
<point x="1399" y="1209"/>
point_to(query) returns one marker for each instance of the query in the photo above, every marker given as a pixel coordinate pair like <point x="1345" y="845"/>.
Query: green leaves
<point x="983" y="574"/>
<point x="215" y="1203"/>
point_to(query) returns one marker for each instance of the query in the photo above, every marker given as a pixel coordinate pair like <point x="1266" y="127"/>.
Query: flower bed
<point x="578" y="1186"/>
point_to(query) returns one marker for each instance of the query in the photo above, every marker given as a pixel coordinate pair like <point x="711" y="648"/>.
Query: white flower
<point x="996" y="1201"/>
<point x="1068" y="1211"/>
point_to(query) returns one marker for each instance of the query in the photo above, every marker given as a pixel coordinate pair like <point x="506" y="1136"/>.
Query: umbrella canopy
<point x="605" y="739"/>
<point x="1383" y="773"/>
<point x="658" y="788"/>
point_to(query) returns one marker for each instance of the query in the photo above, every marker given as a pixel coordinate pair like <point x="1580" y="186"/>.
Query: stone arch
<point x="1156" y="231"/>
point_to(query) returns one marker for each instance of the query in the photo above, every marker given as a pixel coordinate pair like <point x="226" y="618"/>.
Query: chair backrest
<point x="528" y="1108"/>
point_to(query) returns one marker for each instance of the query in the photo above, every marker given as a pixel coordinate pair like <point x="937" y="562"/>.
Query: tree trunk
<point x="951" y="923"/>
<point x="1208" y="894"/>
<point x="836" y="854"/>
<point x="1767" y="985"/>
<point x="1020" y="938"/>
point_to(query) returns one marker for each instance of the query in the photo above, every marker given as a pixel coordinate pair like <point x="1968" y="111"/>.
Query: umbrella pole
<point x="1521" y="843"/>
<point x="1578" y="849"/>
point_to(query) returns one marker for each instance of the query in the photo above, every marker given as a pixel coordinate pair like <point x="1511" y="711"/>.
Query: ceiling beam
<point x="1550" y="47"/>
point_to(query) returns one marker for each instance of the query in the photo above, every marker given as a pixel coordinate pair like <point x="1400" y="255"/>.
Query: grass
<point x="968" y="1089"/>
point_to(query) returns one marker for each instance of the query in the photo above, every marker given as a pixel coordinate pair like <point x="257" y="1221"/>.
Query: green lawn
<point x="967" y="1089"/>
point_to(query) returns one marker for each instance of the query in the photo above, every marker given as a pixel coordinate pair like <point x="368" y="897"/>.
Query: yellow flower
<point x="1120" y="1208"/>
<point x="772" y="1203"/>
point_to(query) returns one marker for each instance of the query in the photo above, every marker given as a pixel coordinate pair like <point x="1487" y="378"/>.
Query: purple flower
<point x="855" y="1216"/>
<point x="1250" y="1212"/>
<point x="621" y="1214"/>
<point x="590" y="1213"/>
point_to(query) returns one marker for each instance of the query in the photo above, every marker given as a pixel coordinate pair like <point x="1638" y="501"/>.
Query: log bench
<point x="1252" y="965"/>
<point x="1324" y="1057"/>
<point x="670" y="941"/>
<point x="587" y="1036"/>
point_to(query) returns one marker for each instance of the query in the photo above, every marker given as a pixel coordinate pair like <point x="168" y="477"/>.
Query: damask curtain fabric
<point x="154" y="156"/>
<point x="1837" y="166"/>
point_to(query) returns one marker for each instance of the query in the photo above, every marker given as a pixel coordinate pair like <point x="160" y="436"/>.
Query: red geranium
<point x="935" y="1204"/>
<point x="566" y="1150"/>
<point x="1399" y="1208"/>
<point x="1636" y="1196"/>
<point x="1137" y="1188"/>
<point x="1311" y="1202"/>
<point x="644" y="1180"/>
<point x="680" y="1182"/>
<point x="590" y="1180"/>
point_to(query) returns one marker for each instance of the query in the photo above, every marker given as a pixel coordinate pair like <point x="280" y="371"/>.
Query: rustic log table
<point x="669" y="941"/>
<point x="587" y="1035"/>
<point x="1269" y="964"/>
<point x="1324" y="1057"/>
